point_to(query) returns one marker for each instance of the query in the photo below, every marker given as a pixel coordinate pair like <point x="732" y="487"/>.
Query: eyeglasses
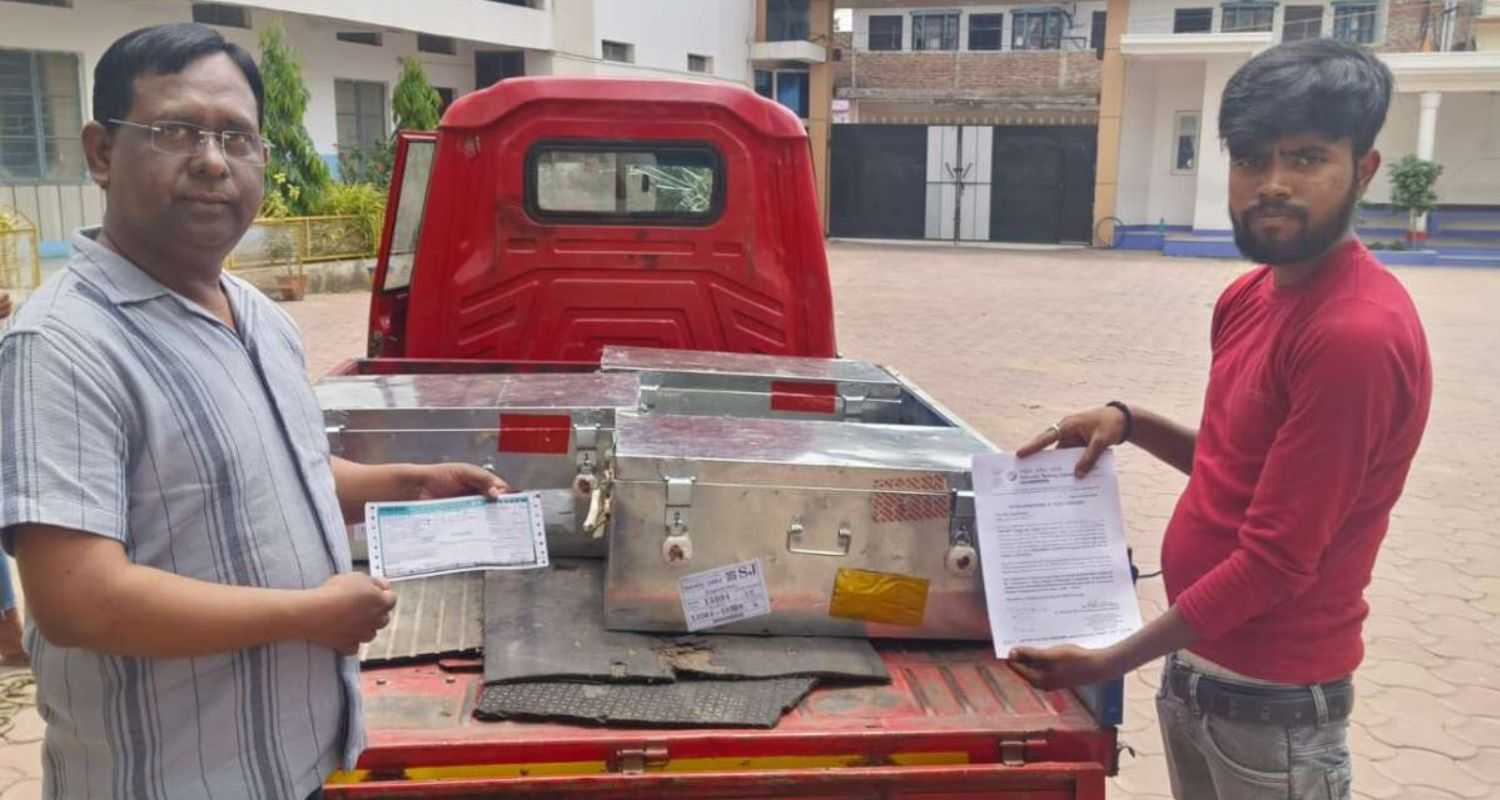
<point x="181" y="139"/>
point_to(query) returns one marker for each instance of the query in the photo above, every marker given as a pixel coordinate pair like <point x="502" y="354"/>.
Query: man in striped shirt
<point x="165" y="481"/>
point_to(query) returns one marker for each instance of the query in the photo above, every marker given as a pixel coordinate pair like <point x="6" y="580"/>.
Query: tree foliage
<point x="304" y="175"/>
<point x="414" y="100"/>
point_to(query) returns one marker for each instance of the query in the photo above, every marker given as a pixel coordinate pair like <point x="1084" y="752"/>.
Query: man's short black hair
<point x="163" y="50"/>
<point x="1310" y="86"/>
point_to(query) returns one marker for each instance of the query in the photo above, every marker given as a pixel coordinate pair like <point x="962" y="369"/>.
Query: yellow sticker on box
<point x="878" y="597"/>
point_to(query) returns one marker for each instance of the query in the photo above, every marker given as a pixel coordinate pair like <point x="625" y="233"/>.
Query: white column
<point x="1427" y="140"/>
<point x="1211" y="205"/>
<point x="1427" y="125"/>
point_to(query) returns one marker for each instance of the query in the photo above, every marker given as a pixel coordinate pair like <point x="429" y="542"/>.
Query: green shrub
<point x="1412" y="181"/>
<point x="363" y="200"/>
<point x="367" y="165"/>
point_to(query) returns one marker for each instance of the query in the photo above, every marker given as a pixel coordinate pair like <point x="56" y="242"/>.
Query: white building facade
<point x="1179" y="54"/>
<point x="350" y="55"/>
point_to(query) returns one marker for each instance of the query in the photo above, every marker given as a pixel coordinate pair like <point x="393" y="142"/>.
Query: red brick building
<point x="966" y="121"/>
<point x="915" y="61"/>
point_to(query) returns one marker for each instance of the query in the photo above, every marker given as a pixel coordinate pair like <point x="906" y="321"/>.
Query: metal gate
<point x="1043" y="184"/>
<point x="962" y="183"/>
<point x="958" y="182"/>
<point x="878" y="175"/>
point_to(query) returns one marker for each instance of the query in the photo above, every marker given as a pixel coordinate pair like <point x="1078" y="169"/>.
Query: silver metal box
<point x="860" y="529"/>
<point x="845" y="481"/>
<point x="537" y="430"/>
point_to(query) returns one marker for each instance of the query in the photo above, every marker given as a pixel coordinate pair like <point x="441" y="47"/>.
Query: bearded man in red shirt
<point x="1316" y="402"/>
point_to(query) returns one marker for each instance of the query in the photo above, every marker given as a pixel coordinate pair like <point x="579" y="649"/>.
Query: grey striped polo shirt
<point x="134" y="414"/>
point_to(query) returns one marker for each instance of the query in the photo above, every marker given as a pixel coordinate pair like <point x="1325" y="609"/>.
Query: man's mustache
<point x="1276" y="210"/>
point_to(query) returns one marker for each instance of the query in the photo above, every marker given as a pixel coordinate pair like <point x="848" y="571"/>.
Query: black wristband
<point x="1129" y="419"/>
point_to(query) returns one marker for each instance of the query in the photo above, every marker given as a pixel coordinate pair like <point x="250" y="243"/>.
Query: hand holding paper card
<point x="1052" y="548"/>
<point x="436" y="537"/>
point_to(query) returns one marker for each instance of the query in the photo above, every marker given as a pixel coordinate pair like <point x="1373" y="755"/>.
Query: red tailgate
<point x="952" y="723"/>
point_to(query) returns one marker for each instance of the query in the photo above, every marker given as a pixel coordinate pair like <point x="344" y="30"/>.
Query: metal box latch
<point x="962" y="558"/>
<point x="677" y="547"/>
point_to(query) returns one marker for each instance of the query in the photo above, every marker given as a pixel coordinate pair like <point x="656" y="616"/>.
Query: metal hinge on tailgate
<point x="1013" y="748"/>
<point x="633" y="760"/>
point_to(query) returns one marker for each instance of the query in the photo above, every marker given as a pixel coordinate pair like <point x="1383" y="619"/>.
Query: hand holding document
<point x="437" y="537"/>
<point x="1052" y="548"/>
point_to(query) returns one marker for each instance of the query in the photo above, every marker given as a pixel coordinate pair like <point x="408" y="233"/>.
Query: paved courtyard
<point x="1012" y="340"/>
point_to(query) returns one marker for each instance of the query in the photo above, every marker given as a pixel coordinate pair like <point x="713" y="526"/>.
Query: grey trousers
<point x="1212" y="758"/>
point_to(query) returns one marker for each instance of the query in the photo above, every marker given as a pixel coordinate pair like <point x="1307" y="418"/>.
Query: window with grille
<point x="934" y="31"/>
<point x="1252" y="18"/>
<point x="225" y="16"/>
<point x="1193" y="20"/>
<point x="41" y="116"/>
<point x="360" y="110"/>
<point x="1036" y="30"/>
<point x="788" y="20"/>
<point x="617" y="51"/>
<point x="984" y="31"/>
<point x="1302" y="22"/>
<point x="1354" y="22"/>
<point x="886" y="31"/>
<point x="789" y="87"/>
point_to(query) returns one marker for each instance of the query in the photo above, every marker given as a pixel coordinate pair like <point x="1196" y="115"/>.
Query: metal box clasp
<point x="677" y="547"/>
<point x="962" y="558"/>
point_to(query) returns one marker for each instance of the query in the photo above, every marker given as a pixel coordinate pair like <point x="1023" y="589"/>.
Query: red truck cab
<point x="549" y="217"/>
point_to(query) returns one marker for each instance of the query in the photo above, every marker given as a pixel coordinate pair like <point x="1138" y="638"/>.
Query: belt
<point x="1270" y="705"/>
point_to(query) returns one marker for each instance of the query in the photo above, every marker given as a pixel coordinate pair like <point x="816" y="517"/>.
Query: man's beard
<point x="1307" y="246"/>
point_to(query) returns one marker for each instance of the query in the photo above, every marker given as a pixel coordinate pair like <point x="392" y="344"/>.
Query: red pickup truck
<point x="548" y="218"/>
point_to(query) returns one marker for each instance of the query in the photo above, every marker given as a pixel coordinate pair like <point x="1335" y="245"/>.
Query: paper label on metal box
<point x="725" y="594"/>
<point x="878" y="597"/>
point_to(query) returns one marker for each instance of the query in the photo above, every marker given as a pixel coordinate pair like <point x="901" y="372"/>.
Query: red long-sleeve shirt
<point x="1316" y="402"/>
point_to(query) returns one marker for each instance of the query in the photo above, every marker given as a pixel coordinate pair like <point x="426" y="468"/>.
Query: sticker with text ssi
<point x="725" y="594"/>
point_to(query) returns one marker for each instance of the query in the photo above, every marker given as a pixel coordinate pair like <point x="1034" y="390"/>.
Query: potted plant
<point x="291" y="278"/>
<point x="1412" y="181"/>
<point x="291" y="282"/>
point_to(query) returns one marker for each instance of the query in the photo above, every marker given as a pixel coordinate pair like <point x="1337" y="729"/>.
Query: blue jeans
<point x="7" y="589"/>
<point x="1212" y="758"/>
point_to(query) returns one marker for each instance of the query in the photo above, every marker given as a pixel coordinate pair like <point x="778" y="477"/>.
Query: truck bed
<point x="953" y="722"/>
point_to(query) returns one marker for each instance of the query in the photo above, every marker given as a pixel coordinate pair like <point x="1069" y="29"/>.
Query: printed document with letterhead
<point x="1052" y="550"/>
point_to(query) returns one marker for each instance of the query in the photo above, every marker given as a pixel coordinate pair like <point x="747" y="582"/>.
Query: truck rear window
<point x="624" y="183"/>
